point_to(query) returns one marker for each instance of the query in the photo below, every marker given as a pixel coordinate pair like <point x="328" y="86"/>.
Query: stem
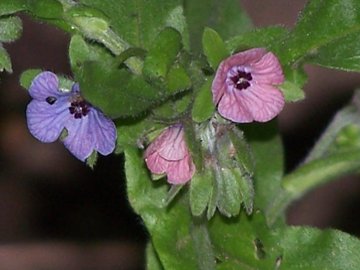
<point x="310" y="176"/>
<point x="346" y="116"/>
<point x="116" y="45"/>
<point x="203" y="248"/>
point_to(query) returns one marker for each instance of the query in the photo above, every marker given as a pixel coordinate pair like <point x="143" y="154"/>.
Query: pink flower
<point x="244" y="89"/>
<point x="168" y="154"/>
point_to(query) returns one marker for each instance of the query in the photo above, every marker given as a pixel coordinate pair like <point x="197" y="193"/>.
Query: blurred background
<point x="55" y="213"/>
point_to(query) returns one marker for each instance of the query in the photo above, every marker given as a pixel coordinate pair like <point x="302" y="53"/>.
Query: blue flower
<point x="53" y="110"/>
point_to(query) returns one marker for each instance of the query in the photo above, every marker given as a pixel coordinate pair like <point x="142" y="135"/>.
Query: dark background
<point x="55" y="213"/>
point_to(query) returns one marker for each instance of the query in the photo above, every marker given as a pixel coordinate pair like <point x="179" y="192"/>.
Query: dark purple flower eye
<point x="51" y="100"/>
<point x="168" y="154"/>
<point x="244" y="86"/>
<point x="52" y="110"/>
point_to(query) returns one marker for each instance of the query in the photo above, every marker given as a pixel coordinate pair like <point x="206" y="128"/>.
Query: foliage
<point x="150" y="64"/>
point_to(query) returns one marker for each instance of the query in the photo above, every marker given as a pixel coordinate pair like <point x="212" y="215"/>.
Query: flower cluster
<point x="244" y="90"/>
<point x="52" y="110"/>
<point x="244" y="87"/>
<point x="168" y="154"/>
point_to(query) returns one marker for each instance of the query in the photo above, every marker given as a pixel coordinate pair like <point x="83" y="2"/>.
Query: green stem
<point x="202" y="243"/>
<point x="310" y="176"/>
<point x="346" y="116"/>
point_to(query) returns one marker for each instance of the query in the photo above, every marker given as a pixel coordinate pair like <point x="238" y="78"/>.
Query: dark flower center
<point x="79" y="107"/>
<point x="241" y="80"/>
<point x="51" y="100"/>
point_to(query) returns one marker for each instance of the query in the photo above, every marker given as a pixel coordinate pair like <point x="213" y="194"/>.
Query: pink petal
<point x="180" y="172"/>
<point x="170" y="144"/>
<point x="267" y="70"/>
<point x="264" y="102"/>
<point x="219" y="86"/>
<point x="175" y="148"/>
<point x="232" y="107"/>
<point x="156" y="164"/>
<point x="245" y="58"/>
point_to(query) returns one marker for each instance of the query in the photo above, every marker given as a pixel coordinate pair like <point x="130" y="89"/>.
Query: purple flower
<point x="168" y="154"/>
<point x="52" y="110"/>
<point x="244" y="89"/>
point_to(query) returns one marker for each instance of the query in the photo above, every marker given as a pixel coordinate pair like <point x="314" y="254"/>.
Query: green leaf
<point x="175" y="107"/>
<point x="162" y="53"/>
<point x="203" y="107"/>
<point x="169" y="227"/>
<point x="348" y="138"/>
<point x="134" y="132"/>
<point x="201" y="186"/>
<point x="291" y="92"/>
<point x="81" y="51"/>
<point x="92" y="159"/>
<point x="225" y="17"/>
<point x="139" y="22"/>
<point x="5" y="61"/>
<point x="239" y="241"/>
<point x="309" y="248"/>
<point x="10" y="29"/>
<point x="27" y="77"/>
<point x="12" y="6"/>
<point x="247" y="192"/>
<point x="177" y="79"/>
<point x="47" y="9"/>
<point x="118" y="93"/>
<point x="193" y="143"/>
<point x="214" y="47"/>
<point x="347" y="56"/>
<point x="267" y="149"/>
<point x="229" y="197"/>
<point x="262" y="37"/>
<point x="321" y="34"/>
<point x="152" y="259"/>
<point x="246" y="243"/>
<point x="173" y="191"/>
<point x="243" y="154"/>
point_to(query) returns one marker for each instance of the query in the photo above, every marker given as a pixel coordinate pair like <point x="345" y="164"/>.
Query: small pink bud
<point x="244" y="88"/>
<point x="168" y="154"/>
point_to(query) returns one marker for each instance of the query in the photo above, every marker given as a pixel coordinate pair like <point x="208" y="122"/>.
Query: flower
<point x="168" y="154"/>
<point x="53" y="110"/>
<point x="244" y="89"/>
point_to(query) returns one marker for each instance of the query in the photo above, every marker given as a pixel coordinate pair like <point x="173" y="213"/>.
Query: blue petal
<point x="46" y="121"/>
<point x="92" y="132"/>
<point x="44" y="85"/>
<point x="75" y="88"/>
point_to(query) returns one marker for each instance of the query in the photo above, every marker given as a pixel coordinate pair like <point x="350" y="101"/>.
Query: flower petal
<point x="232" y="107"/>
<point x="170" y="144"/>
<point x="245" y="58"/>
<point x="180" y="172"/>
<point x="267" y="70"/>
<point x="46" y="121"/>
<point x="156" y="164"/>
<point x="175" y="147"/>
<point x="218" y="86"/>
<point x="44" y="85"/>
<point x="103" y="132"/>
<point x="264" y="102"/>
<point x="78" y="141"/>
<point x="89" y="133"/>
